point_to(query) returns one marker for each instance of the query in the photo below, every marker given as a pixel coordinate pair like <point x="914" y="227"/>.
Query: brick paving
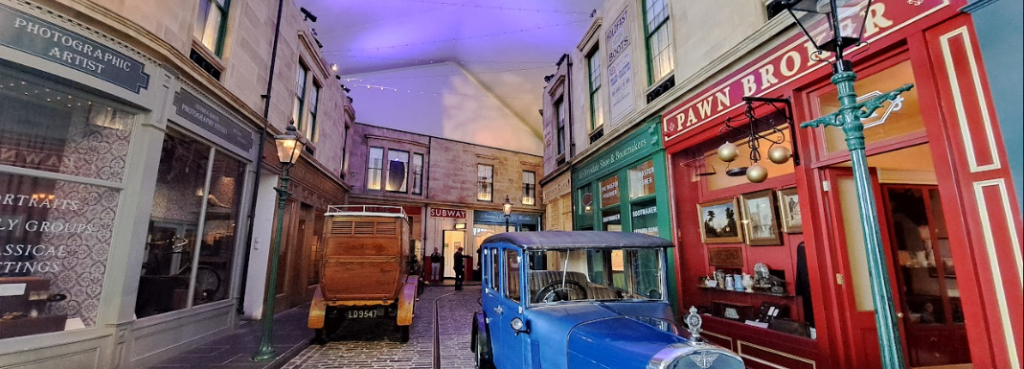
<point x="456" y="316"/>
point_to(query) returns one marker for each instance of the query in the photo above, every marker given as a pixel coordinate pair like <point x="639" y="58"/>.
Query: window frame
<point x="560" y="126"/>
<point x="480" y="183"/>
<point x="405" y="185"/>
<point x="218" y="49"/>
<point x="593" y="90"/>
<point x="370" y="168"/>
<point x="298" y="103"/>
<point x="314" y="107"/>
<point x="417" y="176"/>
<point x="529" y="188"/>
<point x="649" y="33"/>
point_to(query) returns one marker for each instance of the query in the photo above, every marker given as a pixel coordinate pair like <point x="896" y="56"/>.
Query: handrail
<point x="366" y="209"/>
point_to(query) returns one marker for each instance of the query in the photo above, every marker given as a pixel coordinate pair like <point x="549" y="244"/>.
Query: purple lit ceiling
<point x="505" y="47"/>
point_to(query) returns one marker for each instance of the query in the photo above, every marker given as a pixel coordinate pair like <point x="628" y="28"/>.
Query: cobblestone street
<point x="455" y="311"/>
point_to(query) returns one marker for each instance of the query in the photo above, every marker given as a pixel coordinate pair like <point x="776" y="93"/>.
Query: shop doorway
<point x="453" y="240"/>
<point x="920" y="264"/>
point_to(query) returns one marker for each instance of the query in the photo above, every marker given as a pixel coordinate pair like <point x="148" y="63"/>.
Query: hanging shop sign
<point x="496" y="217"/>
<point x="620" y="67"/>
<point x="46" y="40"/>
<point x="636" y="146"/>
<point x="198" y="112"/>
<point x="783" y="64"/>
<point x="447" y="213"/>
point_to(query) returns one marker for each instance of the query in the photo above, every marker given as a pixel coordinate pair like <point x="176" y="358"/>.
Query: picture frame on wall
<point x="789" y="211"/>
<point x="719" y="223"/>
<point x="761" y="227"/>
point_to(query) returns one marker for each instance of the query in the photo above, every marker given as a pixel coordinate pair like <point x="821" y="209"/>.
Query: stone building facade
<point x="453" y="190"/>
<point x="142" y="127"/>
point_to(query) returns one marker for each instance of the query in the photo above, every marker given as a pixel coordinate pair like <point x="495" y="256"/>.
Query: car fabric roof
<point x="562" y="240"/>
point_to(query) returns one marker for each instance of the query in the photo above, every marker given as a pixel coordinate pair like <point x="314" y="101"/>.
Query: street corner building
<point x="137" y="169"/>
<point x="765" y="215"/>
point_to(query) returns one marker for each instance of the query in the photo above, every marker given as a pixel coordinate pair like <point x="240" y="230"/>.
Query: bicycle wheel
<point x="207" y="284"/>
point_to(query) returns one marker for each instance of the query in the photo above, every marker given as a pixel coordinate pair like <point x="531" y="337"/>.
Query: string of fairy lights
<point x="457" y="39"/>
<point x="494" y="7"/>
<point x="430" y="93"/>
<point x="379" y="79"/>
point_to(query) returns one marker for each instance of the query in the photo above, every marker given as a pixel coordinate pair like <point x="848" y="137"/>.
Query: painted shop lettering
<point x="45" y="226"/>
<point x="38" y="202"/>
<point x="763" y="78"/>
<point x="33" y="251"/>
<point x="8" y="267"/>
<point x="75" y="51"/>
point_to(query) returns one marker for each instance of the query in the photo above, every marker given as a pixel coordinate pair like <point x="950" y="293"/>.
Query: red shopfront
<point x="950" y="225"/>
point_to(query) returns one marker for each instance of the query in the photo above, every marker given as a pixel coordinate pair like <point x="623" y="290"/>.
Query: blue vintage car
<point x="583" y="300"/>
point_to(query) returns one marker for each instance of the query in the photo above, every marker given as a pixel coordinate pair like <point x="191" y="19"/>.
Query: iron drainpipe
<point x="240" y="308"/>
<point x="426" y="192"/>
<point x="572" y="140"/>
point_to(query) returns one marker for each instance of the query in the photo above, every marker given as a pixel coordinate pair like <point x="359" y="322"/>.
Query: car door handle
<point x="499" y="310"/>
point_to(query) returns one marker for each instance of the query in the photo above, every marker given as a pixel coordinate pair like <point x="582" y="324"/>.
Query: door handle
<point x="499" y="310"/>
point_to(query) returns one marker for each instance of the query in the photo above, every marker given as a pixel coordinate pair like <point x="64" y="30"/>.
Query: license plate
<point x="365" y="313"/>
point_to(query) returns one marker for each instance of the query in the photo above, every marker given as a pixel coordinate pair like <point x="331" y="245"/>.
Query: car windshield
<point x="605" y="274"/>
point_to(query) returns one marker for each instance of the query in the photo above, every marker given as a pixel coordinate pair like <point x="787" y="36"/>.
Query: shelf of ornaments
<point x="753" y="292"/>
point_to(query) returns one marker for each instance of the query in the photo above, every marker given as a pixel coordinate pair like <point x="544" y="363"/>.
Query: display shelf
<point x="748" y="293"/>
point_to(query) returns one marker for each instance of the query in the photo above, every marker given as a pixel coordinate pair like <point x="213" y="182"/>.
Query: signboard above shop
<point x="205" y="116"/>
<point x="447" y="213"/>
<point x="37" y="37"/>
<point x="638" y="145"/>
<point x="783" y="64"/>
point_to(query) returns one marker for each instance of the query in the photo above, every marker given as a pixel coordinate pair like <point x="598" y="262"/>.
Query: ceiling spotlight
<point x="307" y="15"/>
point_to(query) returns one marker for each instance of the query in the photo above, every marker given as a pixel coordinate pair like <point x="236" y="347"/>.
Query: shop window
<point x="55" y="234"/>
<point x="48" y="129"/>
<point x="484" y="182"/>
<point x="417" y="174"/>
<point x="398" y="171"/>
<point x="660" y="58"/>
<point x="374" y="168"/>
<point x="300" y="98"/>
<point x="529" y="188"/>
<point x="641" y="180"/>
<point x="586" y="204"/>
<point x="644" y="217"/>
<point x="898" y="118"/>
<point x="596" y="101"/>
<point x="217" y="247"/>
<point x="610" y="192"/>
<point x="211" y="22"/>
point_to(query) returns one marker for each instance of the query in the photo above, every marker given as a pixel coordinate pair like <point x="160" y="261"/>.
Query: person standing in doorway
<point x="435" y="266"/>
<point x="460" y="269"/>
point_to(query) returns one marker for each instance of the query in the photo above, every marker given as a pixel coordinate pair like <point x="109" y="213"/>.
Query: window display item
<point x="23" y="302"/>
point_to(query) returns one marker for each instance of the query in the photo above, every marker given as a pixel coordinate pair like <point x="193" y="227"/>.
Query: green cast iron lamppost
<point x="289" y="147"/>
<point x="850" y="17"/>
<point x="507" y="209"/>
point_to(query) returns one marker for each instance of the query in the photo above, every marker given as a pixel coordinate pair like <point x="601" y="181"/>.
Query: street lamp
<point x="289" y="147"/>
<point x="506" y="207"/>
<point x="846" y="24"/>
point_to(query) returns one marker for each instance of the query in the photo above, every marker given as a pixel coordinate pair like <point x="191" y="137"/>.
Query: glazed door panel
<point x="853" y="277"/>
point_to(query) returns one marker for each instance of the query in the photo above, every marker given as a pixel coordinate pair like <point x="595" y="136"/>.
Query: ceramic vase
<point x="738" y="279"/>
<point x="729" y="284"/>
<point x="748" y="283"/>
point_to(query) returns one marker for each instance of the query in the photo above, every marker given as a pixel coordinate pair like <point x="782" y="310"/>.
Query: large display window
<point x="190" y="249"/>
<point x="63" y="155"/>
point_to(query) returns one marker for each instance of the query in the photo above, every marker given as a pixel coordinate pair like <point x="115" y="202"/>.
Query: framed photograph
<point x="761" y="227"/>
<point x="718" y="221"/>
<point x="789" y="211"/>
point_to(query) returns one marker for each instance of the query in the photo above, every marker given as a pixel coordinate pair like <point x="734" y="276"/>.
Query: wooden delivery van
<point x="364" y="272"/>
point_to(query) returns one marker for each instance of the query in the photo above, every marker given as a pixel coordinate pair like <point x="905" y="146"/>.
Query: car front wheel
<point x="483" y="360"/>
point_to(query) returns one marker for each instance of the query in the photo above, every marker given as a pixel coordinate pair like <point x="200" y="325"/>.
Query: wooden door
<point x="854" y="294"/>
<point x="928" y="289"/>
